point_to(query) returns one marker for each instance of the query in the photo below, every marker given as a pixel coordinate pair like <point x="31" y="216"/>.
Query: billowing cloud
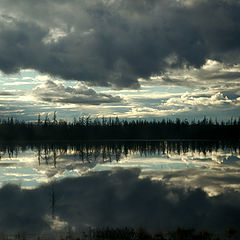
<point x="114" y="43"/>
<point x="212" y="73"/>
<point x="210" y="102"/>
<point x="51" y="91"/>
<point x="193" y="100"/>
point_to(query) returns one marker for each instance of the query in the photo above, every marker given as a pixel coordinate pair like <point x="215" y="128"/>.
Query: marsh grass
<point x="130" y="234"/>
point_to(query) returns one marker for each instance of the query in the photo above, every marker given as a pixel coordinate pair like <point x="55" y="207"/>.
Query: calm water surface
<point x="180" y="163"/>
<point x="152" y="184"/>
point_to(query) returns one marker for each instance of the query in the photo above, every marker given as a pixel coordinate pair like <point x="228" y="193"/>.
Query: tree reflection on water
<point x="188" y="184"/>
<point x="113" y="151"/>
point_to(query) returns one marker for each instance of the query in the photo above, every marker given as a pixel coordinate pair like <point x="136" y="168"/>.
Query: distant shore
<point x="113" y="129"/>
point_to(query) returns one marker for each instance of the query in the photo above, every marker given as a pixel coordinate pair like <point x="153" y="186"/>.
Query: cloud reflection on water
<point x="115" y="198"/>
<point x="211" y="166"/>
<point x="155" y="185"/>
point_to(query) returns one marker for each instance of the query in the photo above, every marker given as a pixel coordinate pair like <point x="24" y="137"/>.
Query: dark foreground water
<point x="156" y="185"/>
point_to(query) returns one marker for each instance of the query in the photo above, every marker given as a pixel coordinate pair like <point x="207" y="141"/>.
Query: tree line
<point x="87" y="128"/>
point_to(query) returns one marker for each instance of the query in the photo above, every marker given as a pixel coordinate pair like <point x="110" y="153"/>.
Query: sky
<point x="126" y="58"/>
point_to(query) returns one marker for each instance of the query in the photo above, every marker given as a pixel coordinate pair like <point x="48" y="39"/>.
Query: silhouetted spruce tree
<point x="86" y="128"/>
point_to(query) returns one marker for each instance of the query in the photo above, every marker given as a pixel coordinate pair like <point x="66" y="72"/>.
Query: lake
<point x="158" y="185"/>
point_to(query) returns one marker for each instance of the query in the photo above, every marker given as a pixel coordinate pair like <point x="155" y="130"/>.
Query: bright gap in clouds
<point x="212" y="91"/>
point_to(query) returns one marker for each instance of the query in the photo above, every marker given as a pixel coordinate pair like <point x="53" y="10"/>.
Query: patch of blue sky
<point x="23" y="86"/>
<point x="29" y="73"/>
<point x="168" y="89"/>
<point x="146" y="89"/>
<point x="23" y="80"/>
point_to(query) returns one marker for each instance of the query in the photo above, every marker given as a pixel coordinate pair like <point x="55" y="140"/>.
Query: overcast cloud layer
<point x="113" y="43"/>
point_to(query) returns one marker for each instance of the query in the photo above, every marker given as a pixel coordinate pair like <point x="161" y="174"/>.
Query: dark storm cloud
<point x="56" y="92"/>
<point x="113" y="43"/>
<point x="116" y="198"/>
